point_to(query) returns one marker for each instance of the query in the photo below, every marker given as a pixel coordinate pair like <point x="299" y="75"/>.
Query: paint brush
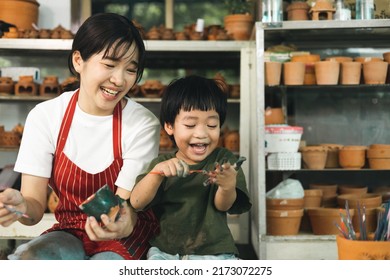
<point x="13" y="210"/>
<point x="191" y="171"/>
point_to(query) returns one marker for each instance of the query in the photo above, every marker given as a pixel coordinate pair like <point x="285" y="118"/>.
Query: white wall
<point x="53" y="13"/>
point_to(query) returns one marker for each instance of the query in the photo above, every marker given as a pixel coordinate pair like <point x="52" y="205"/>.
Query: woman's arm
<point x="31" y="200"/>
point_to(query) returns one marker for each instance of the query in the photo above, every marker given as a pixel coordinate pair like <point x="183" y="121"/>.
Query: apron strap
<point x="67" y="121"/>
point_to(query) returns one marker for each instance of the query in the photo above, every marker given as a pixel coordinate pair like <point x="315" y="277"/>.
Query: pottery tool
<point x="191" y="171"/>
<point x="341" y="230"/>
<point x="17" y="212"/>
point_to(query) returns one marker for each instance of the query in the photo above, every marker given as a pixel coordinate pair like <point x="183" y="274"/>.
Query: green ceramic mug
<point x="104" y="201"/>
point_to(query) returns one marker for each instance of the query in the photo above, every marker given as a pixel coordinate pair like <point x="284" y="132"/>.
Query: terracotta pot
<point x="350" y="73"/>
<point x="239" y="26"/>
<point x="352" y="157"/>
<point x="231" y="141"/>
<point x="283" y="222"/>
<point x="314" y="157"/>
<point x="284" y="203"/>
<point x="362" y="249"/>
<point x="384" y="191"/>
<point x="363" y="59"/>
<point x="298" y="11"/>
<point x="352" y="189"/>
<point x="273" y="73"/>
<point x="22" y="13"/>
<point x="327" y="72"/>
<point x="378" y="153"/>
<point x="379" y="163"/>
<point x="379" y="146"/>
<point x="386" y="56"/>
<point x="340" y="59"/>
<point x="369" y="200"/>
<point x="375" y="72"/>
<point x="312" y="198"/>
<point x="6" y="85"/>
<point x="370" y="219"/>
<point x="274" y="116"/>
<point x="294" y="73"/>
<point x="309" y="60"/>
<point x="332" y="159"/>
<point x="323" y="220"/>
<point x="329" y="201"/>
<point x="327" y="190"/>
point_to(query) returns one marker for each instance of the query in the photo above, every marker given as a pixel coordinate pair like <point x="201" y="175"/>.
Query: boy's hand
<point x="172" y="167"/>
<point x="225" y="176"/>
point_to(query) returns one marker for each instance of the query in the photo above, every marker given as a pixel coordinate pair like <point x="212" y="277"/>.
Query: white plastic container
<point x="282" y="138"/>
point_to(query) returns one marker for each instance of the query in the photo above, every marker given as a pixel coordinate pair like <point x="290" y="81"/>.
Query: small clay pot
<point x="350" y="189"/>
<point x="298" y="10"/>
<point x="283" y="222"/>
<point x="323" y="219"/>
<point x="327" y="72"/>
<point x="273" y="73"/>
<point x="350" y="73"/>
<point x="231" y="141"/>
<point x="274" y="116"/>
<point x="294" y="73"/>
<point x="314" y="157"/>
<point x="104" y="201"/>
<point x="284" y="203"/>
<point x="369" y="200"/>
<point x="332" y="159"/>
<point x="312" y="198"/>
<point x="352" y="157"/>
<point x="309" y="60"/>
<point x="375" y="72"/>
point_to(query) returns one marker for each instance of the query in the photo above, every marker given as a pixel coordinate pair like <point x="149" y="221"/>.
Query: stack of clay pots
<point x="284" y="215"/>
<point x="329" y="194"/>
<point x="379" y="156"/>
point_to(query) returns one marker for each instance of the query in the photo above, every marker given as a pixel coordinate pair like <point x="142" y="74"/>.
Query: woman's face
<point x="105" y="81"/>
<point x="196" y="134"/>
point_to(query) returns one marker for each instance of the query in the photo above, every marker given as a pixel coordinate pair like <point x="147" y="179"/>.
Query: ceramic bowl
<point x="104" y="201"/>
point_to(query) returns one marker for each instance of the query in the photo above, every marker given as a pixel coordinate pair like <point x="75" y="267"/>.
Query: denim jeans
<point x="156" y="254"/>
<point x="57" y="245"/>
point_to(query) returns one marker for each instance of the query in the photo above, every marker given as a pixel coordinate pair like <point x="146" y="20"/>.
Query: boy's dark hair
<point x="193" y="93"/>
<point x="104" y="31"/>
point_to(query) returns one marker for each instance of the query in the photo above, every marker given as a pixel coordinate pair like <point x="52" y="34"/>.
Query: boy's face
<point x="196" y="134"/>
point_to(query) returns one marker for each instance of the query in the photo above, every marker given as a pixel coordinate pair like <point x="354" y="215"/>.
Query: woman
<point x="85" y="139"/>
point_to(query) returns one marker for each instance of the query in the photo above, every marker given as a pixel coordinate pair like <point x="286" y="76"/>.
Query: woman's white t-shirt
<point x="89" y="144"/>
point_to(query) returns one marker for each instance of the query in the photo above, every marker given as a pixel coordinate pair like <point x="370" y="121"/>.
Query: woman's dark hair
<point x="111" y="33"/>
<point x="193" y="93"/>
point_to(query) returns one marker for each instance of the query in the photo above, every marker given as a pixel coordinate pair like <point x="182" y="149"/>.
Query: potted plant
<point x="239" y="22"/>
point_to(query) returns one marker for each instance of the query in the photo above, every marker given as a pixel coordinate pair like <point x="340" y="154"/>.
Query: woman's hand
<point x="14" y="199"/>
<point x="110" y="229"/>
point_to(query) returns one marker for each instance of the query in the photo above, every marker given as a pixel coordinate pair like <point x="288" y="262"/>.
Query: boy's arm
<point x="226" y="193"/>
<point x="145" y="190"/>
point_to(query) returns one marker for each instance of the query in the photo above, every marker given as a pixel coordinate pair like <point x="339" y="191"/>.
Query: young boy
<point x="187" y="190"/>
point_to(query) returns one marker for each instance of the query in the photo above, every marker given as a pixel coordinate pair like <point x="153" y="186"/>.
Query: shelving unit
<point x="358" y="117"/>
<point x="238" y="55"/>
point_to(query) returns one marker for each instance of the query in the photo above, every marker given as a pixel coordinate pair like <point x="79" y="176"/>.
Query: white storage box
<point x="16" y="72"/>
<point x="284" y="161"/>
<point x="282" y="138"/>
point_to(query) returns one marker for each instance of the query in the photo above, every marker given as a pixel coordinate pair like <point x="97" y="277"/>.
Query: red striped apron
<point x="73" y="185"/>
